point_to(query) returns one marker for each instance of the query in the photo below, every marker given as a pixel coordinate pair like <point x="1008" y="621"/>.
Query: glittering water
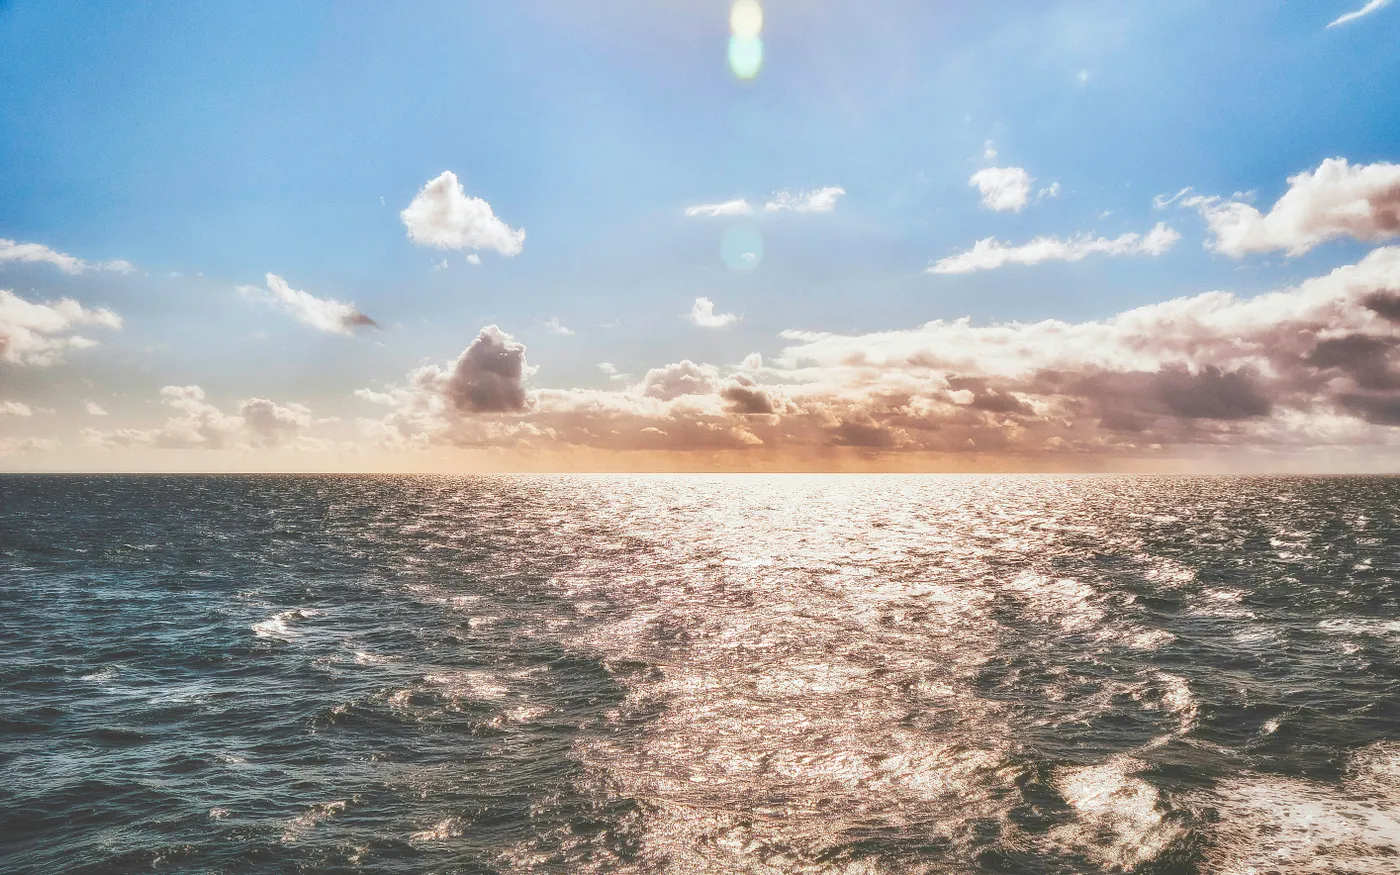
<point x="699" y="674"/>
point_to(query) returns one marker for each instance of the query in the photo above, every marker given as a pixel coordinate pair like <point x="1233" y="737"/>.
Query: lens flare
<point x="745" y="46"/>
<point x="746" y="18"/>
<point x="745" y="56"/>
<point x="741" y="248"/>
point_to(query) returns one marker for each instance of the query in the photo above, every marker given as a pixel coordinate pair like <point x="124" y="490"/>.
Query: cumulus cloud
<point x="737" y="207"/>
<point x="822" y="200"/>
<point x="15" y="408"/>
<point x="1335" y="200"/>
<point x="92" y="408"/>
<point x="1003" y="188"/>
<point x="197" y="424"/>
<point x="554" y="326"/>
<point x="444" y="216"/>
<point x="37" y="253"/>
<point x="323" y="314"/>
<point x="1313" y="366"/>
<point x="1372" y="6"/>
<point x="702" y="313"/>
<point x="990" y="253"/>
<point x="39" y="334"/>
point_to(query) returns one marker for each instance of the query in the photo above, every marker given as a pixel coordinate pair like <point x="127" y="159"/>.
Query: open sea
<point x="699" y="674"/>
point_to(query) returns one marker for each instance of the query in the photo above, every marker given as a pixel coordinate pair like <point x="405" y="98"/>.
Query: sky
<point x="684" y="235"/>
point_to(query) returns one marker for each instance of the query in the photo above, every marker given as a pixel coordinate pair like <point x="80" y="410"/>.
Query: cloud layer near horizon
<point x="199" y="425"/>
<point x="1305" y="367"/>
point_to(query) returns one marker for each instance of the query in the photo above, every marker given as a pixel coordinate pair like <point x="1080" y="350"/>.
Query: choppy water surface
<point x="699" y="674"/>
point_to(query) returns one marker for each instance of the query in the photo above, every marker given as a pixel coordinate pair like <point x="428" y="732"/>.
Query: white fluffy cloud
<point x="257" y="422"/>
<point x="1003" y="188"/>
<point x="37" y="253"/>
<point x="39" y="334"/>
<point x="990" y="253"/>
<point x="822" y="200"/>
<point x="1335" y="200"/>
<point x="14" y="408"/>
<point x="323" y="314"/>
<point x="1370" y="7"/>
<point x="444" y="216"/>
<point x="703" y="314"/>
<point x="92" y="408"/>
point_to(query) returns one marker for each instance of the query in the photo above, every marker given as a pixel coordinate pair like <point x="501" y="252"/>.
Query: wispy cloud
<point x="323" y="314"/>
<point x="554" y="326"/>
<point x="990" y="253"/>
<point x="444" y="216"/>
<point x="1373" y="6"/>
<point x="92" y="408"/>
<point x="15" y="408"/>
<point x="37" y="253"/>
<point x="737" y="207"/>
<point x="703" y="314"/>
<point x="822" y="200"/>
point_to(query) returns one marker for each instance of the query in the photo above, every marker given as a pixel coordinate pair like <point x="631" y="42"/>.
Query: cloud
<point x="553" y="326"/>
<point x="93" y="408"/>
<point x="1303" y="368"/>
<point x="12" y="446"/>
<point x="488" y="377"/>
<point x="473" y="259"/>
<point x="822" y="200"/>
<point x="323" y="314"/>
<point x="1051" y="190"/>
<point x="37" y="253"/>
<point x="39" y="334"/>
<point x="989" y="151"/>
<point x="990" y="253"/>
<point x="15" y="408"/>
<point x="271" y="425"/>
<point x="442" y="215"/>
<point x="738" y="207"/>
<point x="1002" y="188"/>
<point x="1372" y="6"/>
<point x="703" y="314"/>
<point x="607" y="368"/>
<point x="198" y="424"/>
<point x="1335" y="200"/>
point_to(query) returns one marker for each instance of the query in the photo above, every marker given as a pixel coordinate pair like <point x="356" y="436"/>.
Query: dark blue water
<point x="699" y="674"/>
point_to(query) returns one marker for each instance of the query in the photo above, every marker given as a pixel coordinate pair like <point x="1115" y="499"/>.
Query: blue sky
<point x="210" y="144"/>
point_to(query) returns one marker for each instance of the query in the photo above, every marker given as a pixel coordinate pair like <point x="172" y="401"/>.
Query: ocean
<point x="699" y="674"/>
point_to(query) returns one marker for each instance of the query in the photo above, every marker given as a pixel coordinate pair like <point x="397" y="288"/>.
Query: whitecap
<point x="1303" y="827"/>
<point x="1120" y="819"/>
<point x="279" y="625"/>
